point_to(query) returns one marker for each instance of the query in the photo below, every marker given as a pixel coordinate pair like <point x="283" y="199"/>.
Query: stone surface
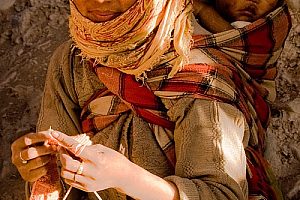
<point x="6" y="4"/>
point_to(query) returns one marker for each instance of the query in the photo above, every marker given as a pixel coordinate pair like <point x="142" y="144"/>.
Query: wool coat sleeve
<point x="209" y="140"/>
<point x="59" y="107"/>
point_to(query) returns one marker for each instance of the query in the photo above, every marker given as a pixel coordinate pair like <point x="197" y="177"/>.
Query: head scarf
<point x="149" y="33"/>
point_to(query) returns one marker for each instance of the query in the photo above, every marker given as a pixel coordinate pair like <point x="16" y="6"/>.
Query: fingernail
<point x="55" y="134"/>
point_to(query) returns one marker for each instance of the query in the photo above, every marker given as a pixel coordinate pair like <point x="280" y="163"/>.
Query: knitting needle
<point x="70" y="188"/>
<point x="68" y="192"/>
<point x="97" y="195"/>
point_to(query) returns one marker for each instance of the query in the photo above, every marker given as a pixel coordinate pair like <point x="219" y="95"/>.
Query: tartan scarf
<point x="243" y="76"/>
<point x="137" y="40"/>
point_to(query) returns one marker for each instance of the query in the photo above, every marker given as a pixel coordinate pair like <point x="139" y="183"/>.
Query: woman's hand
<point x="91" y="168"/>
<point x="30" y="155"/>
<point x="96" y="167"/>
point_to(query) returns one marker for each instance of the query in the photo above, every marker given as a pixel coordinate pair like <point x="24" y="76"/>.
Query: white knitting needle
<point x="68" y="192"/>
<point x="70" y="188"/>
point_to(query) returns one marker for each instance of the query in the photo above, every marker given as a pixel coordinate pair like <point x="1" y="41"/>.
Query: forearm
<point x="141" y="184"/>
<point x="210" y="18"/>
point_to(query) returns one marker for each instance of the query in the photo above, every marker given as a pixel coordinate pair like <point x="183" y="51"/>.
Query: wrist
<point x="141" y="184"/>
<point x="126" y="178"/>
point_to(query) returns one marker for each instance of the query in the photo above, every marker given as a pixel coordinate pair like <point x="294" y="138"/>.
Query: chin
<point x="245" y="18"/>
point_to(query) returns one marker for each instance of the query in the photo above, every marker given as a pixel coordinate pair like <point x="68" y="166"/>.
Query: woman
<point x="167" y="121"/>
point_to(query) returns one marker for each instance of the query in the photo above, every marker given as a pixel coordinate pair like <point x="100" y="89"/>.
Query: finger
<point x="34" y="175"/>
<point x="23" y="142"/>
<point x="64" y="140"/>
<point x="69" y="163"/>
<point x="34" y="152"/>
<point x="68" y="175"/>
<point x="75" y="178"/>
<point x="76" y="185"/>
<point x="82" y="183"/>
<point x="38" y="162"/>
<point x="63" y="150"/>
<point x="38" y="173"/>
<point x="30" y="153"/>
<point x="30" y="139"/>
<point x="34" y="164"/>
<point x="76" y="166"/>
<point x="72" y="145"/>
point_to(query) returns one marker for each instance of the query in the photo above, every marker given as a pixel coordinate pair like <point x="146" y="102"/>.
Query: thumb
<point x="70" y="144"/>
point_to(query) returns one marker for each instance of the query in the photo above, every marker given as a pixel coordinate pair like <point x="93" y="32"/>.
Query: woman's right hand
<point x="30" y="155"/>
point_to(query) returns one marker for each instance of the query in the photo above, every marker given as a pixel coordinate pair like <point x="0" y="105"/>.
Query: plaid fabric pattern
<point x="245" y="59"/>
<point x="124" y="93"/>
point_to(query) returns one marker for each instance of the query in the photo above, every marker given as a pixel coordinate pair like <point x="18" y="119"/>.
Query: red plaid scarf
<point x="246" y="58"/>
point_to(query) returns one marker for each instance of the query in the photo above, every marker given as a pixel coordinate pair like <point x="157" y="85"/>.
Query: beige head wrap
<point x="139" y="39"/>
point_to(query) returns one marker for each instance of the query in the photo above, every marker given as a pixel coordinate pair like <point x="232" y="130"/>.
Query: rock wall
<point x="30" y="30"/>
<point x="283" y="133"/>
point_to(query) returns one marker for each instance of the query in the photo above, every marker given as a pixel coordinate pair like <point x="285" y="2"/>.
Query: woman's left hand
<point x="95" y="168"/>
